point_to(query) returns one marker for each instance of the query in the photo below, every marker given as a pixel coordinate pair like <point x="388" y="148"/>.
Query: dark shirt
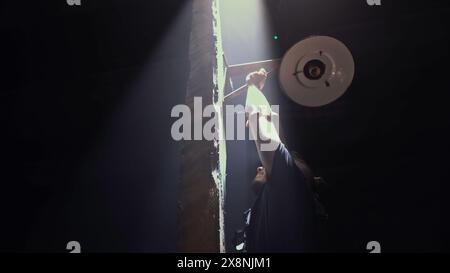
<point x="283" y="218"/>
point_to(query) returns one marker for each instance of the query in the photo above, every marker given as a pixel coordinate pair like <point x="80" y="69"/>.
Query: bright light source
<point x="246" y="31"/>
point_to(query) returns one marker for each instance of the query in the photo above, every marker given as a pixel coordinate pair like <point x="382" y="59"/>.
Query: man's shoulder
<point x="284" y="169"/>
<point x="284" y="155"/>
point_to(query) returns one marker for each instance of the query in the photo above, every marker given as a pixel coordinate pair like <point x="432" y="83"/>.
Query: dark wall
<point x="86" y="97"/>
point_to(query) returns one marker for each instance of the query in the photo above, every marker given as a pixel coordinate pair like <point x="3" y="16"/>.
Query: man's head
<point x="259" y="180"/>
<point x="261" y="174"/>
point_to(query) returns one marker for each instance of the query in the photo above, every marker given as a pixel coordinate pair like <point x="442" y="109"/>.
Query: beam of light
<point x="247" y="32"/>
<point x="243" y="35"/>
<point x="128" y="135"/>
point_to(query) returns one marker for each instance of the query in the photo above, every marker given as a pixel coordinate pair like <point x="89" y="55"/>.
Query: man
<point x="283" y="218"/>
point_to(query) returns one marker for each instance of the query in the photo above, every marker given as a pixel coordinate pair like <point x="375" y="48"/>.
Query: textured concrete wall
<point x="199" y="206"/>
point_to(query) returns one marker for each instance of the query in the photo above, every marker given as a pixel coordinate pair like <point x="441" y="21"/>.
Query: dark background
<point x="381" y="147"/>
<point x="87" y="155"/>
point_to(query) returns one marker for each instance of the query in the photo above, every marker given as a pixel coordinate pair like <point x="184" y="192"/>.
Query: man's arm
<point x="263" y="124"/>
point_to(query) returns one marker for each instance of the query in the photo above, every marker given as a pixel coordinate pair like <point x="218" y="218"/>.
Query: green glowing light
<point x="276" y="37"/>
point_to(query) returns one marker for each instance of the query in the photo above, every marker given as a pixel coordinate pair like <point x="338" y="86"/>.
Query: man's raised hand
<point x="257" y="78"/>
